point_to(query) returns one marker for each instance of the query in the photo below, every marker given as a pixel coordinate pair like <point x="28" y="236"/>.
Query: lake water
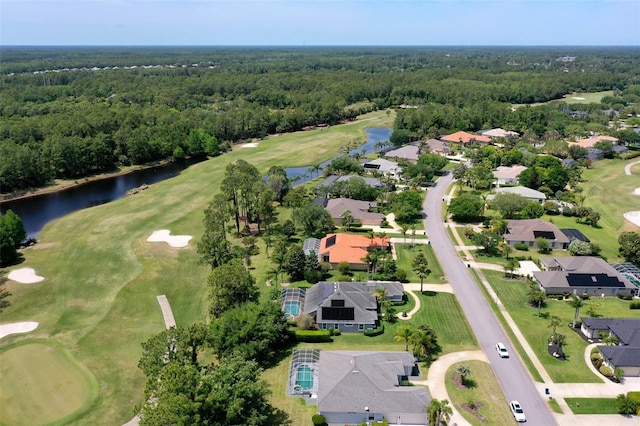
<point x="36" y="211"/>
<point x="374" y="135"/>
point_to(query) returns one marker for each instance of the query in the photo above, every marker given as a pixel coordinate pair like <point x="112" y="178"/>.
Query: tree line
<point x="71" y="124"/>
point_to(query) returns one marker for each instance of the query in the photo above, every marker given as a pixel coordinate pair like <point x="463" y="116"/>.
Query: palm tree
<point x="277" y="267"/>
<point x="536" y="297"/>
<point x="511" y="265"/>
<point x="421" y="267"/>
<point x="403" y="333"/>
<point x="439" y="410"/>
<point x="576" y="303"/>
<point x="347" y="219"/>
<point x="464" y="371"/>
<point x="554" y="322"/>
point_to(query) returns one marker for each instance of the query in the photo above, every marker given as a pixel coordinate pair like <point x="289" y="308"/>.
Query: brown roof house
<point x="581" y="275"/>
<point x="360" y="211"/>
<point x="508" y="175"/>
<point x="465" y="138"/>
<point x="526" y="231"/>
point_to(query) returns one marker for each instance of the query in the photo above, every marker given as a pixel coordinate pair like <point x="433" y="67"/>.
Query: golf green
<point x="41" y="384"/>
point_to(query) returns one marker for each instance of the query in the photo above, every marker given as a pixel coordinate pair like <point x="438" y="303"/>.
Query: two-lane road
<point x="511" y="372"/>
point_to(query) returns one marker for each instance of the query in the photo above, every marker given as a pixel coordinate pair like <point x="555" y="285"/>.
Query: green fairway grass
<point x="586" y="98"/>
<point x="512" y="293"/>
<point x="485" y="390"/>
<point x="42" y="384"/>
<point x="102" y="277"/>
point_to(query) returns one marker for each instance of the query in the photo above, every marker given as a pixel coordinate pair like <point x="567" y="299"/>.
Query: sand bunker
<point x="633" y="217"/>
<point x="25" y="276"/>
<point x="636" y="191"/>
<point x="17" y="327"/>
<point x="164" y="235"/>
<point x="578" y="98"/>
<point x="249" y="145"/>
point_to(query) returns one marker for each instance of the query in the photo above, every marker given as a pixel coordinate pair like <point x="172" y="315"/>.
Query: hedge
<point x="313" y="336"/>
<point x="375" y="332"/>
<point x="634" y="305"/>
<point x="634" y="395"/>
<point x="606" y="371"/>
<point x="521" y="246"/>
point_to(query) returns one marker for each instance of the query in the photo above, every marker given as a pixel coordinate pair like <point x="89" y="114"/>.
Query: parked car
<point x="517" y="411"/>
<point x="502" y="350"/>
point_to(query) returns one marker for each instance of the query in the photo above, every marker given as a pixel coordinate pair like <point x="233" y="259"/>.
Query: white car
<point x="502" y="350"/>
<point x="517" y="411"/>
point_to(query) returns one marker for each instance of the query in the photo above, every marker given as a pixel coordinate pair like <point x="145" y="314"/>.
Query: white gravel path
<point x="167" y="313"/>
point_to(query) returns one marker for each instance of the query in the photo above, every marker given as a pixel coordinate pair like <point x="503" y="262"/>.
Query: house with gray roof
<point x="626" y="354"/>
<point x="350" y="307"/>
<point x="383" y="166"/>
<point x="366" y="387"/>
<point x="360" y="211"/>
<point x="581" y="275"/>
<point x="528" y="230"/>
<point x="523" y="191"/>
<point x="594" y="154"/>
<point x="409" y="153"/>
<point x="499" y="133"/>
<point x="330" y="180"/>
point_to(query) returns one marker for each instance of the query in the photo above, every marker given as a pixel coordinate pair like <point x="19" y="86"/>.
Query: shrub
<point x="335" y="332"/>
<point x="306" y="322"/>
<point x="313" y="336"/>
<point x="356" y="224"/>
<point x="596" y="356"/>
<point x="634" y="305"/>
<point x="318" y="420"/>
<point x="401" y="275"/>
<point x="375" y="332"/>
<point x="522" y="246"/>
<point x="634" y="395"/>
<point x="606" y="371"/>
<point x="625" y="296"/>
<point x="567" y="211"/>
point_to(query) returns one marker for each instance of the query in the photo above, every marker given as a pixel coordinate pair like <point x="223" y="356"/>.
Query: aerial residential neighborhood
<point x="319" y="236"/>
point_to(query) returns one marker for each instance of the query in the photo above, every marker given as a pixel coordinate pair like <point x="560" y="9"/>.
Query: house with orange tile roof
<point x="465" y="138"/>
<point x="336" y="248"/>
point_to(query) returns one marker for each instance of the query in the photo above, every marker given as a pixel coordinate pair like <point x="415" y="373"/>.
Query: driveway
<point x="511" y="373"/>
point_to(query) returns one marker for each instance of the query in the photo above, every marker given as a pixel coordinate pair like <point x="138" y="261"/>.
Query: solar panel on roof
<point x="338" y="314"/>
<point x="593" y="280"/>
<point x="330" y="241"/>
<point x="549" y="235"/>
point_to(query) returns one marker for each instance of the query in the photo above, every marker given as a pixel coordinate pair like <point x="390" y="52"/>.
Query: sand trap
<point x="249" y="145"/>
<point x="578" y="98"/>
<point x="17" y="327"/>
<point x="25" y="276"/>
<point x="164" y="235"/>
<point x="633" y="217"/>
<point x="636" y="191"/>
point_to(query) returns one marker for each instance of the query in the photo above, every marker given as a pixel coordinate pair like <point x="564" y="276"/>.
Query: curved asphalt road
<point x="510" y="372"/>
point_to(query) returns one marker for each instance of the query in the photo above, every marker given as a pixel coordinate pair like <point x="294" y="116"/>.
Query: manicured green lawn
<point x="592" y="405"/>
<point x="102" y="277"/>
<point x="584" y="98"/>
<point x="41" y="384"/>
<point x="439" y="310"/>
<point x="555" y="407"/>
<point x="484" y="390"/>
<point x="512" y="293"/>
<point x="406" y="254"/>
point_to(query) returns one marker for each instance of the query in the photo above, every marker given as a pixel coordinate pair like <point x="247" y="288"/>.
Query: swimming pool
<point x="304" y="377"/>
<point x="291" y="308"/>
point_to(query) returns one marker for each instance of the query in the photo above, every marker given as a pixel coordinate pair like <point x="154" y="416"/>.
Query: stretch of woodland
<point x="69" y="112"/>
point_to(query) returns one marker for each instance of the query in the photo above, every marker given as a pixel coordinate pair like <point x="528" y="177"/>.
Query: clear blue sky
<point x="320" y="22"/>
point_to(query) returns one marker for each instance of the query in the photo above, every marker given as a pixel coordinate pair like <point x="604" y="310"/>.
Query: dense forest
<point x="72" y="112"/>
